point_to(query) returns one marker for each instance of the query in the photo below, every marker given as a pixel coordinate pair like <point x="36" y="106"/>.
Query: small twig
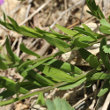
<point x="18" y="48"/>
<point x="67" y="94"/>
<point x="106" y="103"/>
<point x="28" y="8"/>
<point x="65" y="3"/>
<point x="74" y="24"/>
<point x="14" y="43"/>
<point x="16" y="9"/>
<point x="89" y="20"/>
<point x="44" y="48"/>
<point x="85" y="95"/>
<point x="91" y="107"/>
<point x="33" y="14"/>
<point x="45" y="89"/>
<point x="85" y="98"/>
<point x="100" y="100"/>
<point x="64" y="12"/>
<point x="82" y="11"/>
<point x="52" y="93"/>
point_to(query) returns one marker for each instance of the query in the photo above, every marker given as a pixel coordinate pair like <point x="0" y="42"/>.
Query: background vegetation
<point x="43" y="73"/>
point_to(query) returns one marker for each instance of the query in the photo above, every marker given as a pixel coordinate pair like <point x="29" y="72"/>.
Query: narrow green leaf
<point x="104" y="89"/>
<point x="104" y="23"/>
<point x="40" y="99"/>
<point x="6" y="94"/>
<point x="26" y="31"/>
<point x="90" y="58"/>
<point x="2" y="64"/>
<point x="87" y="32"/>
<point x="91" y="33"/>
<point x="60" y="44"/>
<point x="6" y="102"/>
<point x="7" y="25"/>
<point x="61" y="36"/>
<point x="26" y="50"/>
<point x="66" y="30"/>
<point x="4" y="16"/>
<point x="94" y="9"/>
<point x="100" y="76"/>
<point x="12" y="56"/>
<point x="104" y="57"/>
<point x="29" y="32"/>
<point x="43" y="80"/>
<point x="81" y="44"/>
<point x="72" y="85"/>
<point x="10" y="52"/>
<point x="31" y="84"/>
<point x="36" y="64"/>
<point x="14" y="23"/>
<point x="54" y="40"/>
<point x="57" y="74"/>
<point x="25" y="64"/>
<point x="64" y="66"/>
<point x="11" y="85"/>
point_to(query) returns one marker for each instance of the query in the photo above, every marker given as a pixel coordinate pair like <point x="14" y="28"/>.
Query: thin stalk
<point x="2" y="103"/>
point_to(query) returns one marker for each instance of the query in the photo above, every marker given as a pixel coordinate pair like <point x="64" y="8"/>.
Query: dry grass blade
<point x="67" y="10"/>
<point x="35" y="12"/>
<point x="106" y="103"/>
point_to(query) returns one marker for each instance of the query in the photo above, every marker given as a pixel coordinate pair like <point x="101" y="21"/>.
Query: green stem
<point x="2" y="103"/>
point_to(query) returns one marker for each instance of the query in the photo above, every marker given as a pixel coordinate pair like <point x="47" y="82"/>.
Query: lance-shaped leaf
<point x="73" y="85"/>
<point x="64" y="66"/>
<point x="90" y="58"/>
<point x="100" y="76"/>
<point x="42" y="80"/>
<point x="34" y="64"/>
<point x="57" y="74"/>
<point x="40" y="99"/>
<point x="104" y="57"/>
<point x="105" y="88"/>
<point x="30" y="32"/>
<point x="54" y="34"/>
<point x="67" y="31"/>
<point x="2" y="64"/>
<point x="94" y="9"/>
<point x="26" y="50"/>
<point x="12" y="56"/>
<point x="11" y="85"/>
